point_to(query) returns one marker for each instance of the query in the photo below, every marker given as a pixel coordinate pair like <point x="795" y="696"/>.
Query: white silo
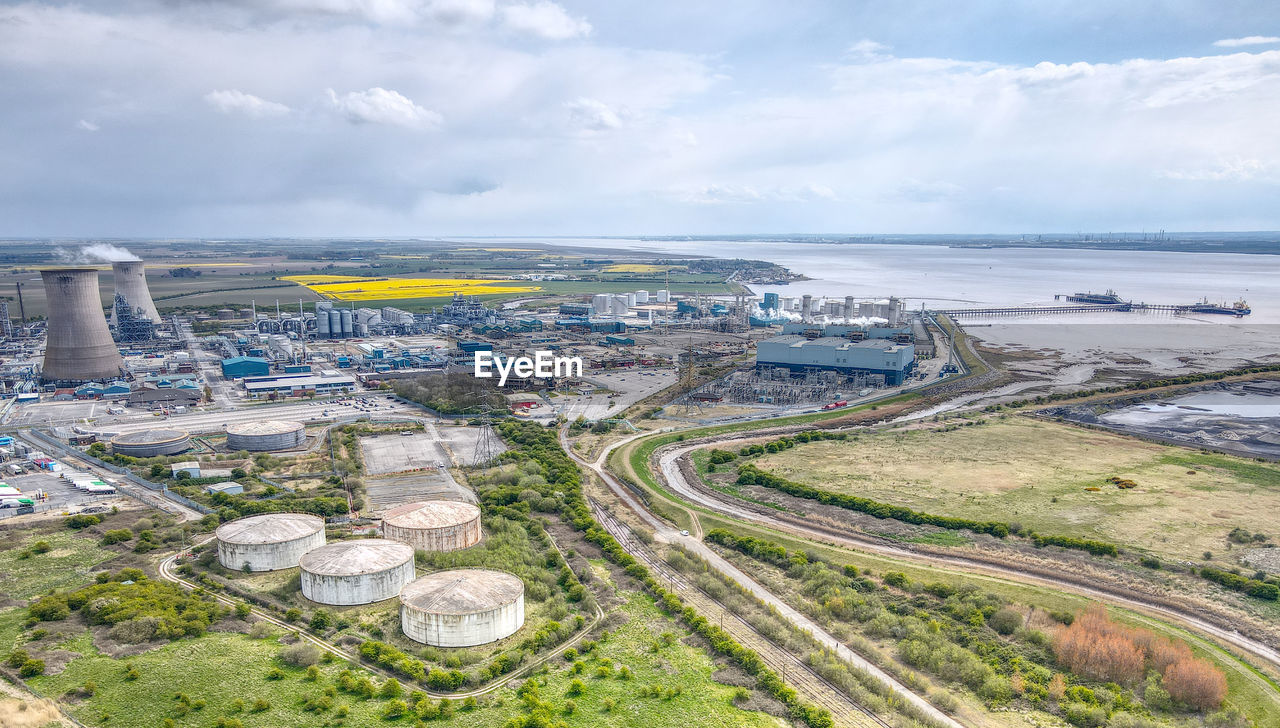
<point x="268" y="541"/>
<point x="600" y="303"/>
<point x="335" y="324"/>
<point x="664" y="296"/>
<point x="642" y="296"/>
<point x="348" y="324"/>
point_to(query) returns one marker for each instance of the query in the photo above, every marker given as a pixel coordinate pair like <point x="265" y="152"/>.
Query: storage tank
<point x="322" y="324"/>
<point x="663" y="296"/>
<point x="437" y="525"/>
<point x="356" y="572"/>
<point x="848" y="307"/>
<point x="335" y="323"/>
<point x="131" y="282"/>
<point x="462" y="607"/>
<point x="266" y="436"/>
<point x="348" y="324"/>
<point x="78" y="346"/>
<point x="600" y="303"/>
<point x="642" y="296"/>
<point x="268" y="541"/>
<point x="151" y="443"/>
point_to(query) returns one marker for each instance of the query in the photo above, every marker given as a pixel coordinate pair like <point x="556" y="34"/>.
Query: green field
<point x="1042" y="475"/>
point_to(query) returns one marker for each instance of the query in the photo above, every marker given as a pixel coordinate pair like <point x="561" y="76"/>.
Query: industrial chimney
<point x="806" y="308"/>
<point x="131" y="282"/>
<point x="79" y="346"/>
<point x="848" y="308"/>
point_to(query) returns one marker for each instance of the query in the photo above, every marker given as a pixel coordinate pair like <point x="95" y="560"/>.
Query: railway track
<point x="795" y="672"/>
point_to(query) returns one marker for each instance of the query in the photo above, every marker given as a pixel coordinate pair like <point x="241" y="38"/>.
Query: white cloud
<point x="867" y="48"/>
<point x="735" y="194"/>
<point x="383" y="12"/>
<point x="592" y="115"/>
<point x="914" y="190"/>
<point x="544" y="19"/>
<point x="383" y="106"/>
<point x="1232" y="170"/>
<point x="87" y="125"/>
<point x="1250" y="40"/>
<point x="235" y="101"/>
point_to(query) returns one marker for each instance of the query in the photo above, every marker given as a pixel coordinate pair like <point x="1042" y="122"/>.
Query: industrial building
<point x="437" y="525"/>
<point x="892" y="360"/>
<point x="297" y="385"/>
<point x="151" y="443"/>
<point x="266" y="436"/>
<point x="238" y="367"/>
<point x="462" y="607"/>
<point x="356" y="572"/>
<point x="268" y="541"/>
<point x="78" y="346"/>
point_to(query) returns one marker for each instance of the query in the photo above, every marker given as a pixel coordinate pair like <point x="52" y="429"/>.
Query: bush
<point x="1252" y="587"/>
<point x="292" y="615"/>
<point x="41" y="547"/>
<point x="31" y="668"/>
<point x="302" y="654"/>
<point x="1006" y="621"/>
<point x="1195" y="683"/>
<point x="116" y="535"/>
<point x="81" y="521"/>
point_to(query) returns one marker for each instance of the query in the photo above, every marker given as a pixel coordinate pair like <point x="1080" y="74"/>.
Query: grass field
<point x="1037" y="474"/>
<point x="69" y="563"/>
<point x="222" y="668"/>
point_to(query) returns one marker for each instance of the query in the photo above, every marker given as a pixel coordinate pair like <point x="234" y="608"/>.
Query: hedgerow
<point x="1252" y="587"/>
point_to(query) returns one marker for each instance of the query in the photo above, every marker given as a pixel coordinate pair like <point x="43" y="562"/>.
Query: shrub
<point x="394" y="709"/>
<point x="1006" y="621"/>
<point x="41" y="547"/>
<point x="292" y="615"/>
<point x="1195" y="683"/>
<point x="391" y="689"/>
<point x="275" y="673"/>
<point x="80" y="521"/>
<point x="17" y="657"/>
<point x="301" y="654"/>
<point x="116" y="535"/>
<point x="31" y="668"/>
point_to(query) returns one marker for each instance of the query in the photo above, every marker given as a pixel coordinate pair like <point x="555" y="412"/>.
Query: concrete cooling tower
<point x="79" y="346"/>
<point x="131" y="282"/>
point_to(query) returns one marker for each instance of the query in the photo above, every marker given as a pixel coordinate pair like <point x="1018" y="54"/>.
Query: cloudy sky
<point x="540" y="117"/>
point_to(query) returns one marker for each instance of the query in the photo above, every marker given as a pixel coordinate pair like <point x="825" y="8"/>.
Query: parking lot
<point x="62" y="496"/>
<point x="626" y="387"/>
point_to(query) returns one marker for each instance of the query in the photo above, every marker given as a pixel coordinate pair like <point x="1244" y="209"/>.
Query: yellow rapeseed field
<point x="635" y="268"/>
<point x="354" y="288"/>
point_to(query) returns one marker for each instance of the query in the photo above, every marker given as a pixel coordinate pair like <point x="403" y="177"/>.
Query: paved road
<point x="675" y="481"/>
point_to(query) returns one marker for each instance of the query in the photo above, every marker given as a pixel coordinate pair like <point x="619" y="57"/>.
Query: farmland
<point x="1049" y="477"/>
<point x="353" y="288"/>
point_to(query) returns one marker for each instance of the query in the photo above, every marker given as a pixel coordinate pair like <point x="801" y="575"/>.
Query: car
<point x="684" y="533"/>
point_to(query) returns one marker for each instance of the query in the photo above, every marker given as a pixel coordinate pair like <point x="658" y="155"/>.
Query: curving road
<point x="675" y="481"/>
<point x="666" y="533"/>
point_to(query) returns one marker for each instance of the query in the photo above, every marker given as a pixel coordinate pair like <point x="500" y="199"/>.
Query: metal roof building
<point x="872" y="356"/>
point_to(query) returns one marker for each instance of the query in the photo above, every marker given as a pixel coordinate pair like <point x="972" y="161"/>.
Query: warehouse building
<point x="245" y="366"/>
<point x="328" y="381"/>
<point x="873" y="356"/>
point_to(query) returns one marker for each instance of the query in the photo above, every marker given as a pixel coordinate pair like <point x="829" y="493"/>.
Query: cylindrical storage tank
<point x="266" y="436"/>
<point x="268" y="541"/>
<point x="356" y="572"/>
<point x="462" y="607"/>
<point x="335" y="323"/>
<point x="151" y="443"/>
<point x="437" y="525"/>
<point x="322" y="324"/>
<point x="348" y="325"/>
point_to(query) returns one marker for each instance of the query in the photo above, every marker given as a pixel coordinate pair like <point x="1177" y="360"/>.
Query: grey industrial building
<point x="872" y="356"/>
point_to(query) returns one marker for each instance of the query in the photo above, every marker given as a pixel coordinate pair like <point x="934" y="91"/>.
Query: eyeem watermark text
<point x="543" y="365"/>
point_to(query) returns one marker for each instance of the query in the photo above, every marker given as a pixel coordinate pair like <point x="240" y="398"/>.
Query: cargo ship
<point x="1239" y="308"/>
<point x="1110" y="297"/>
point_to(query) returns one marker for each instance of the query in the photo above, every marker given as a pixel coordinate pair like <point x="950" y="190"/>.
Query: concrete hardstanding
<point x="151" y="443"/>
<point x="79" y="346"/>
<point x="268" y="436"/>
<point x="462" y="607"/>
<point x="268" y="541"/>
<point x="131" y="282"/>
<point x="356" y="572"/>
<point x="437" y="525"/>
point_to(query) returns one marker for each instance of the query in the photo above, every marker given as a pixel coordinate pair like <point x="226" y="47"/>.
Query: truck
<point x="836" y="405"/>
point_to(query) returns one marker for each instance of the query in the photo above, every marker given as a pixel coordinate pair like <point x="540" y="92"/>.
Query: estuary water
<point x="941" y="277"/>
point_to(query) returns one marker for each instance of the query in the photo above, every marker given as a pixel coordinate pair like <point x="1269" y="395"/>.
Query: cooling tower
<point x="79" y="346"/>
<point x="848" y="307"/>
<point x="131" y="282"/>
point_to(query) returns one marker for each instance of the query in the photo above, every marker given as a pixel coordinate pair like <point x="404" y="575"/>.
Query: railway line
<point x="844" y="710"/>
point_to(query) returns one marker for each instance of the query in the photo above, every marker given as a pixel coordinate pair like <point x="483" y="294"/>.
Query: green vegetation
<point x="1252" y="587"/>
<point x="66" y="564"/>
<point x="138" y="609"/>
<point x="1005" y="654"/>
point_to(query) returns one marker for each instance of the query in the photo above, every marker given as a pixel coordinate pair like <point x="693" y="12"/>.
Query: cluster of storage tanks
<point x="451" y="608"/>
